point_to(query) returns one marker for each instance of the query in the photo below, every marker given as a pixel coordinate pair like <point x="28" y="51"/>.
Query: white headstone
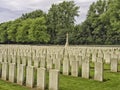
<point x="53" y="79"/>
<point x="85" y="68"/>
<point x="41" y="78"/>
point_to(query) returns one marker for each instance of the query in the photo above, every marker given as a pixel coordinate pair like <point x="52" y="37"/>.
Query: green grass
<point x="4" y="85"/>
<point x="111" y="82"/>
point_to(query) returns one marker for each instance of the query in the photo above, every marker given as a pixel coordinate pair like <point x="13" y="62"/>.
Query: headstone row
<point x="23" y="75"/>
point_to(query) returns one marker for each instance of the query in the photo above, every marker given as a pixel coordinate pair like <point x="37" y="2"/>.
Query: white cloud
<point x="12" y="9"/>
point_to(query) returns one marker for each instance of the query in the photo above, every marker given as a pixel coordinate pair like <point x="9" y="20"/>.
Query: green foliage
<point x="30" y="28"/>
<point x="38" y="31"/>
<point x="60" y="20"/>
<point x="12" y="30"/>
<point x="33" y="15"/>
<point x="3" y="32"/>
<point x="114" y="17"/>
<point x="32" y="31"/>
<point x="22" y="32"/>
<point x="102" y="25"/>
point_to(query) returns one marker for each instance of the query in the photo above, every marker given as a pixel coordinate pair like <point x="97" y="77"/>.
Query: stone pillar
<point x="53" y="79"/>
<point x="4" y="70"/>
<point x="98" y="75"/>
<point x="114" y="64"/>
<point x="30" y="76"/>
<point x="67" y="43"/>
<point x="74" y="68"/>
<point x="85" y="68"/>
<point x="20" y="74"/>
<point x="66" y="66"/>
<point x="12" y="72"/>
<point x="41" y="78"/>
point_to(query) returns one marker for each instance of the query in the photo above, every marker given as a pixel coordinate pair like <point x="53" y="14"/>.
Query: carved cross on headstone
<point x="67" y="43"/>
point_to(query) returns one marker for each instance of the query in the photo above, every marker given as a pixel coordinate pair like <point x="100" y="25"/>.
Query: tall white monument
<point x="67" y="43"/>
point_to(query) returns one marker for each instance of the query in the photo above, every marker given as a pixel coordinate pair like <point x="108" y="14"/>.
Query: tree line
<point x="102" y="25"/>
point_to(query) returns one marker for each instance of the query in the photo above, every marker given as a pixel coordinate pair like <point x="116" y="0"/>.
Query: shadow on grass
<point x="105" y="80"/>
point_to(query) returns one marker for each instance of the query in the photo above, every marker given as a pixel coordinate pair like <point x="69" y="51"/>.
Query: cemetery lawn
<point x="111" y="82"/>
<point x="4" y="85"/>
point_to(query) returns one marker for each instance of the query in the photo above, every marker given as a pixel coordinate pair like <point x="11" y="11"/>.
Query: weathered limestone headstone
<point x="85" y="67"/>
<point x="0" y="69"/>
<point x="41" y="78"/>
<point x="30" y="76"/>
<point x="98" y="75"/>
<point x="100" y="54"/>
<point x="80" y="60"/>
<point x="57" y="64"/>
<point x="49" y="63"/>
<point x="98" y="59"/>
<point x="114" y="64"/>
<point x="20" y="74"/>
<point x="53" y="57"/>
<point x="74" y="68"/>
<point x="9" y="58"/>
<point x="66" y="66"/>
<point x="5" y="58"/>
<point x="71" y="58"/>
<point x="4" y="70"/>
<point x="24" y="60"/>
<point x="12" y="72"/>
<point x="18" y="60"/>
<point x="53" y="79"/>
<point x="107" y="58"/>
<point x="88" y="55"/>
<point x="29" y="61"/>
<point x="114" y="56"/>
<point x="1" y="57"/>
<point x="14" y="59"/>
<point x="67" y="43"/>
<point x="42" y="62"/>
<point x="36" y="61"/>
<point x="94" y="56"/>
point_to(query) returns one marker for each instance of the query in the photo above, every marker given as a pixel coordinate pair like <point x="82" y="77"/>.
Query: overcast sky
<point x="12" y="9"/>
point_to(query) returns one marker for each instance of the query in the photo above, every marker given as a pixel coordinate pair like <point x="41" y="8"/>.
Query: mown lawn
<point x="111" y="82"/>
<point x="4" y="85"/>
